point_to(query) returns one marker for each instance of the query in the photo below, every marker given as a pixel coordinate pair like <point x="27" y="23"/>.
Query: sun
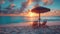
<point x="31" y="14"/>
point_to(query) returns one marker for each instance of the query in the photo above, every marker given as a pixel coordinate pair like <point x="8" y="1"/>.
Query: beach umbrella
<point x="39" y="10"/>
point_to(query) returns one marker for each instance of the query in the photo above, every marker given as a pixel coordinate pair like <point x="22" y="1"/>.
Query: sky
<point x="55" y="5"/>
<point x="18" y="3"/>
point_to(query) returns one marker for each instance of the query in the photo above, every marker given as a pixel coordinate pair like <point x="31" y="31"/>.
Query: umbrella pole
<point x="39" y="20"/>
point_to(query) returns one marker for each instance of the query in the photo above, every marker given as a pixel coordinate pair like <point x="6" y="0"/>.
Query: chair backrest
<point x="44" y="22"/>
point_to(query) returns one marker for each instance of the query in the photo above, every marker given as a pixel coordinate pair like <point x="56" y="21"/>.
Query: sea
<point x="20" y="19"/>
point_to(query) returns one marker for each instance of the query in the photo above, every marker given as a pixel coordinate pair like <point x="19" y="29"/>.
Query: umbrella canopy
<point x="40" y="10"/>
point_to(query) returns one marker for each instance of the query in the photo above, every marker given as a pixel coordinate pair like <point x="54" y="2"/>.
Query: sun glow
<point x="31" y="14"/>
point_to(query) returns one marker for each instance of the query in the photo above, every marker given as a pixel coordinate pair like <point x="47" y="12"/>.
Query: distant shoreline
<point x="51" y="13"/>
